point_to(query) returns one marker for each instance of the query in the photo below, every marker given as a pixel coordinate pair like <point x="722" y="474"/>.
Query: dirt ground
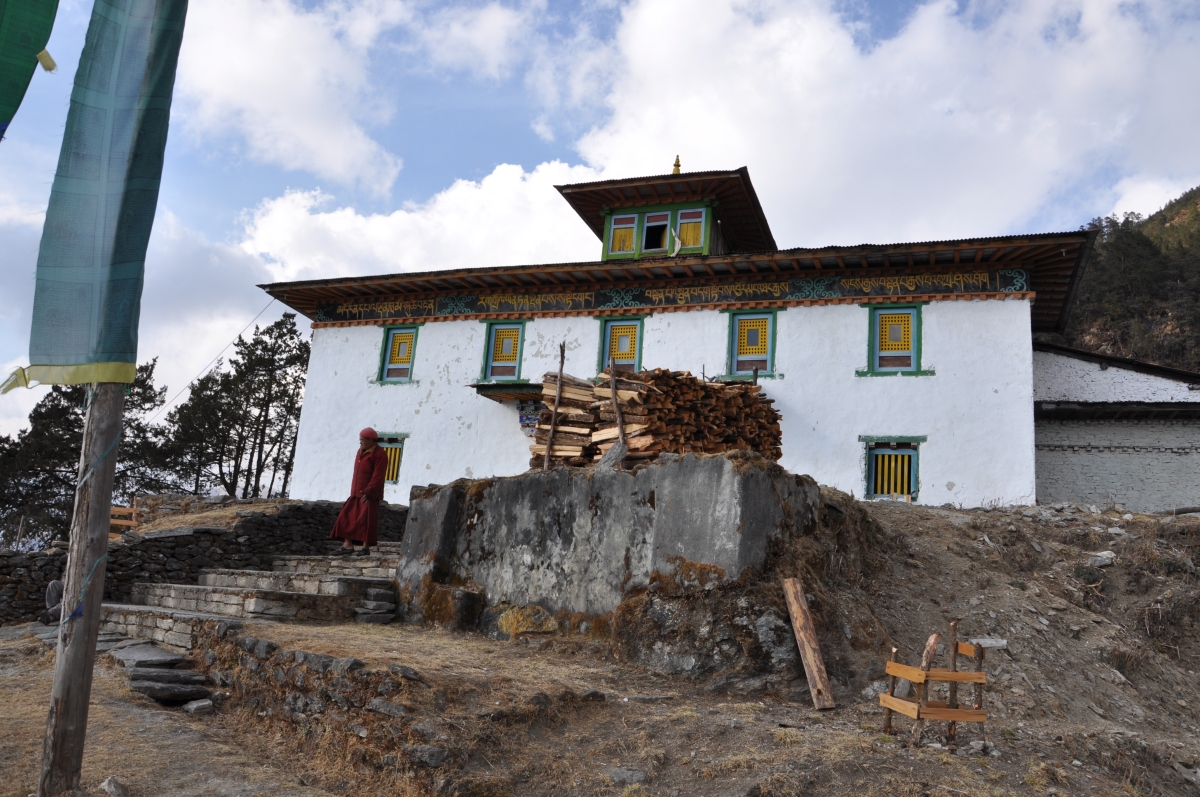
<point x="1095" y="695"/>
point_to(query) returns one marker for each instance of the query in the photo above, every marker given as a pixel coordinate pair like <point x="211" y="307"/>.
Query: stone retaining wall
<point x="582" y="540"/>
<point x="177" y="556"/>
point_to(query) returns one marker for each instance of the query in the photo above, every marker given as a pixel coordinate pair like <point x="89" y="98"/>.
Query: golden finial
<point x="676" y="169"/>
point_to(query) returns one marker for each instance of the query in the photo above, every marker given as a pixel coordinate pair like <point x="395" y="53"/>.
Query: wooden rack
<point x="919" y="707"/>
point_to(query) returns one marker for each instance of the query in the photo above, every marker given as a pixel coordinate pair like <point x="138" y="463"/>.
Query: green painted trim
<point x="744" y="377"/>
<point x="895" y="373"/>
<point x="918" y="336"/>
<point x="387" y="333"/>
<point x="601" y="362"/>
<point x="916" y="462"/>
<point x="730" y="352"/>
<point x="639" y="229"/>
<point x="487" y="349"/>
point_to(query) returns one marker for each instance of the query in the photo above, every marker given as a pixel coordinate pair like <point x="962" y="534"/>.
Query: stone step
<point x="258" y="604"/>
<point x="376" y="606"/>
<point x="372" y="566"/>
<point x="311" y="583"/>
<point x="381" y="618"/>
<point x="385" y="595"/>
<point x="167" y="627"/>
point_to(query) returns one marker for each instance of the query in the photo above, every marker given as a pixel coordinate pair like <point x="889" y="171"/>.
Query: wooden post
<point x="612" y="380"/>
<point x="923" y="689"/>
<point x="755" y="382"/>
<point x="952" y="700"/>
<point x="66" y="725"/>
<point x="887" y="712"/>
<point x="979" y="689"/>
<point x="562" y="356"/>
<point x="20" y="534"/>
<point x="806" y="638"/>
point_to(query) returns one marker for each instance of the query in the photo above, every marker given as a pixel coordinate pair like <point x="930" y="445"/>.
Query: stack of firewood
<point x="673" y="411"/>
<point x="661" y="411"/>
<point x="577" y="420"/>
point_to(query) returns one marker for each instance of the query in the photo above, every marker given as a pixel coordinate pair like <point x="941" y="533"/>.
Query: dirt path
<point x="154" y="751"/>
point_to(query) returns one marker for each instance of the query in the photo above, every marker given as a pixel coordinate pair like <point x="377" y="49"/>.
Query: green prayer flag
<point x="89" y="272"/>
<point x="24" y="30"/>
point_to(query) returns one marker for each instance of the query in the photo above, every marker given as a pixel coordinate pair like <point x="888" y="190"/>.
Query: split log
<point x="806" y="638"/>
<point x="923" y="688"/>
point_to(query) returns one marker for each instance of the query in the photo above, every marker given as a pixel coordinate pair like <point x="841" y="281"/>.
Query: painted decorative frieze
<point x="775" y="293"/>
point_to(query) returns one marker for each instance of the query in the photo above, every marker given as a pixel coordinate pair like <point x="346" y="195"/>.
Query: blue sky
<point x="338" y="137"/>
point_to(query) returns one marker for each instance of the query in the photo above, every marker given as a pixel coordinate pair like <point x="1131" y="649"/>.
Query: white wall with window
<point x="972" y="403"/>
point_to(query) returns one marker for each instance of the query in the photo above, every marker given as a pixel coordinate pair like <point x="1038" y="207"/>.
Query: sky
<point x="350" y="137"/>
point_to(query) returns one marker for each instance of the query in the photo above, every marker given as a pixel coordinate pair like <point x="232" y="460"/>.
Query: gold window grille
<point x="505" y="344"/>
<point x="892" y="472"/>
<point x="622" y="342"/>
<point x="895" y="332"/>
<point x="752" y="340"/>
<point x="402" y="348"/>
<point x="392" y="445"/>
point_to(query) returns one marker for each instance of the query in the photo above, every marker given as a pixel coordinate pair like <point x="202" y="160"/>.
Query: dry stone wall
<point x="177" y="556"/>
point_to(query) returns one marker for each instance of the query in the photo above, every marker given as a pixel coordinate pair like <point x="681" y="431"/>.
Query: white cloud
<point x="963" y="124"/>
<point x="1146" y="195"/>
<point x="509" y="217"/>
<point x="486" y="41"/>
<point x="294" y="83"/>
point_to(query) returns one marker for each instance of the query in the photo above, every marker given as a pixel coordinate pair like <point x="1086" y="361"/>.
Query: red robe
<point x="359" y="520"/>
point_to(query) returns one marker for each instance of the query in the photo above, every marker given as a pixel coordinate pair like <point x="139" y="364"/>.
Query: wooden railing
<point x="124" y="516"/>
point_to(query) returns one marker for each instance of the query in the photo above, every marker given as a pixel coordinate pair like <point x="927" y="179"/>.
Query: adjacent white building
<point x="917" y="353"/>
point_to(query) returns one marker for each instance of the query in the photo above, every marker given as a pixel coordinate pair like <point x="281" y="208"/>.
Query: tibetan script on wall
<point x="777" y="293"/>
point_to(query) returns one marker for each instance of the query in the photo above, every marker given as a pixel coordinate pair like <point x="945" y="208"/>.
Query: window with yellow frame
<point x="392" y="444"/>
<point x="623" y="342"/>
<point x="398" y="351"/>
<point x="753" y="342"/>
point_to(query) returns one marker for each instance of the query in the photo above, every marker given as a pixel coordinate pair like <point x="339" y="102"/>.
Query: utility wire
<point x="210" y="365"/>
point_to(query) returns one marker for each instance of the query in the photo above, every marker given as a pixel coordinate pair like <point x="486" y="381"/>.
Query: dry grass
<point x="160" y="751"/>
<point x="219" y="516"/>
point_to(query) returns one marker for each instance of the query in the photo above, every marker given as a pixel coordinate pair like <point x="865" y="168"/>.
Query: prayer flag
<point x="89" y="272"/>
<point x="24" y="30"/>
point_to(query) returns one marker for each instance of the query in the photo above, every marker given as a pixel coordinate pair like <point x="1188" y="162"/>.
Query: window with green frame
<point x="892" y="466"/>
<point x="668" y="230"/>
<point x="392" y="444"/>
<point x="894" y="341"/>
<point x="622" y="339"/>
<point x="751" y="343"/>
<point x="399" y="349"/>
<point x="503" y="356"/>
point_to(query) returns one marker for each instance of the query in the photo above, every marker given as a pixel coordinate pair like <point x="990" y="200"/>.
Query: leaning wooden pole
<point x="66" y="725"/>
<point x="562" y="358"/>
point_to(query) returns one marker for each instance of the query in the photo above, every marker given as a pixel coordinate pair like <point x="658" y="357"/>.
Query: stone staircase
<point x="296" y="589"/>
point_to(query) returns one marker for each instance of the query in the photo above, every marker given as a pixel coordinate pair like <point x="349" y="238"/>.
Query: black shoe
<point x="363" y="551"/>
<point x="343" y="551"/>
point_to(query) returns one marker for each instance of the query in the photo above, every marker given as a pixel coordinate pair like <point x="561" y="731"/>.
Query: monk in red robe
<point x="359" y="519"/>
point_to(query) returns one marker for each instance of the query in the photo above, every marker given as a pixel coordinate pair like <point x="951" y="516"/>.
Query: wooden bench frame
<point x="920" y="707"/>
<point x="124" y="515"/>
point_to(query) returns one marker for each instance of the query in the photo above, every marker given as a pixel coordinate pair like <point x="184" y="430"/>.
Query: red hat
<point x="369" y="433"/>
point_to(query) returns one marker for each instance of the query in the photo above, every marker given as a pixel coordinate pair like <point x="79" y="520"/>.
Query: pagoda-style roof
<point x="1044" y="266"/>
<point x="735" y="205"/>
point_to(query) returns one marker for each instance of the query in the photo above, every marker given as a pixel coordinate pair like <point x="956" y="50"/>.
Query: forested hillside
<point x="1140" y="294"/>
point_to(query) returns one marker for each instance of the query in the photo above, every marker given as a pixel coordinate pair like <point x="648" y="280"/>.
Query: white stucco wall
<point x="976" y="411"/>
<point x="1058" y="377"/>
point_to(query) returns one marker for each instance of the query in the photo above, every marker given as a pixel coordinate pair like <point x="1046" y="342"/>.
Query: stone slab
<point x="145" y="656"/>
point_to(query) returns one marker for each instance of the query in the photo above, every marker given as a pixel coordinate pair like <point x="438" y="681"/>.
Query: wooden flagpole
<point x="66" y="725"/>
